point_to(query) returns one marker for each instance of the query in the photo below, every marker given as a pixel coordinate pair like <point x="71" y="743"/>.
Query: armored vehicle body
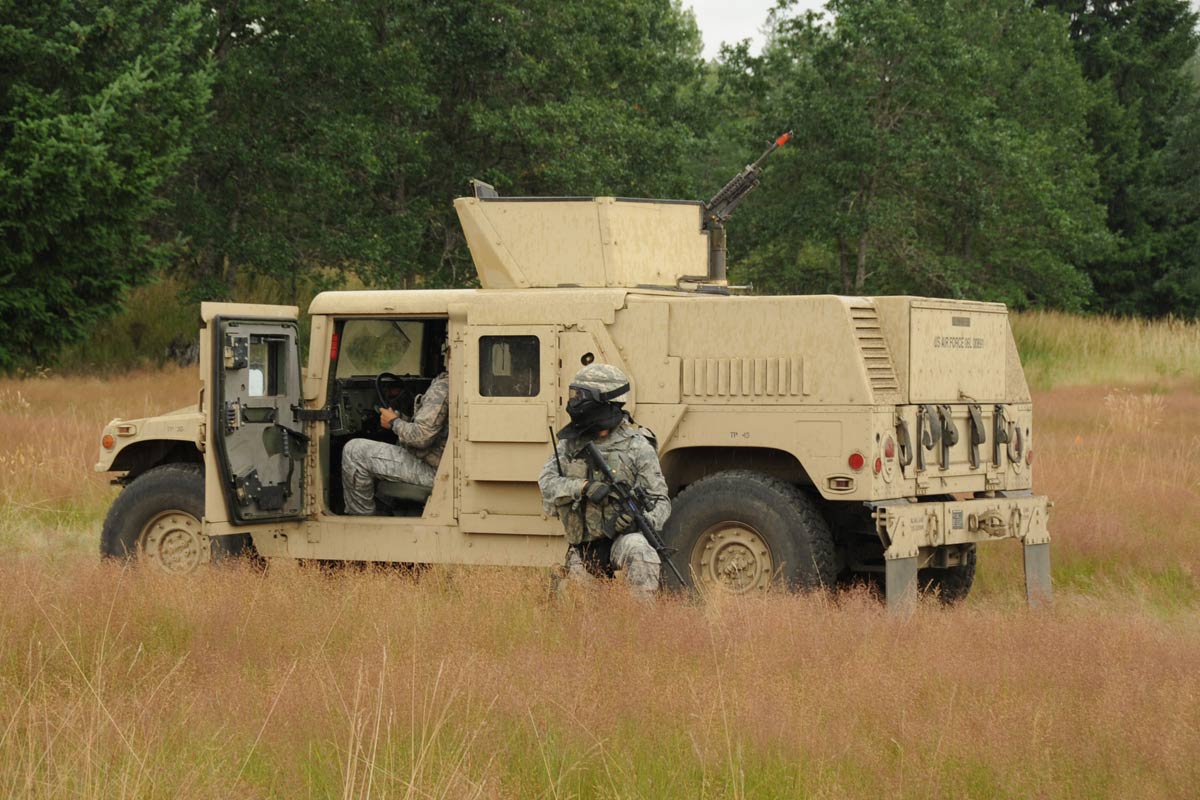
<point x="806" y="440"/>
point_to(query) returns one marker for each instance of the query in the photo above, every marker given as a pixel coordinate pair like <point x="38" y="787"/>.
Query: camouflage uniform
<point x="413" y="460"/>
<point x="634" y="461"/>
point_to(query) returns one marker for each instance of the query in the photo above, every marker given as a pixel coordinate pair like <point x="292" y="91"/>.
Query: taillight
<point x="108" y="441"/>
<point x="889" y="447"/>
<point x="878" y="465"/>
<point x="856" y="461"/>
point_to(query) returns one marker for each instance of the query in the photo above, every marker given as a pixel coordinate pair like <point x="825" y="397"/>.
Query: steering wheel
<point x="400" y="400"/>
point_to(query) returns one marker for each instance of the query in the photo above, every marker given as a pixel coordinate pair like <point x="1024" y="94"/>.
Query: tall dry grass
<point x="473" y="684"/>
<point x="1059" y="349"/>
<point x="1122" y="466"/>
<point x="51" y="501"/>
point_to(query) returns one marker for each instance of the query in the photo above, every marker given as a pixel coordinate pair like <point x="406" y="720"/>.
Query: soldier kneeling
<point x="601" y="536"/>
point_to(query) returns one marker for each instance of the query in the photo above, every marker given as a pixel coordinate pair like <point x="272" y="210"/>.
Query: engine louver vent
<point x="781" y="376"/>
<point x="874" y="349"/>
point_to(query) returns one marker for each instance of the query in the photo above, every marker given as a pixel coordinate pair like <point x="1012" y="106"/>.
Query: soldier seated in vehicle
<point x="413" y="459"/>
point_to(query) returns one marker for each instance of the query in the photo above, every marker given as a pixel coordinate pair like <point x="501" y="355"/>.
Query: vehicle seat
<point x="403" y="492"/>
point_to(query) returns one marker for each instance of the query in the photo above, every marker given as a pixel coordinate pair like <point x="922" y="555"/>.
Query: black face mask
<point x="590" y="416"/>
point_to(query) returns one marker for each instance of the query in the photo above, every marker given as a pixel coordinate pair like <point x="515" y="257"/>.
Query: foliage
<point x="1142" y="121"/>
<point x="97" y="106"/>
<point x="938" y="150"/>
<point x="1044" y="154"/>
<point x="314" y="136"/>
<point x="343" y="130"/>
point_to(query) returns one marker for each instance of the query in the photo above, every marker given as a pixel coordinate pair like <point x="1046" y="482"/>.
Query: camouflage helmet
<point x="603" y="382"/>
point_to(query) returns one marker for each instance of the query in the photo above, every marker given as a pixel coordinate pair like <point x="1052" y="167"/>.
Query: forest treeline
<point x="1045" y="153"/>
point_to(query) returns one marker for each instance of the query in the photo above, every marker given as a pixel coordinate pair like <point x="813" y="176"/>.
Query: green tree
<point x="1176" y="286"/>
<point x="343" y="130"/>
<point x="1135" y="53"/>
<point x="97" y="104"/>
<point x="940" y="148"/>
<point x="314" y="141"/>
<point x="551" y="97"/>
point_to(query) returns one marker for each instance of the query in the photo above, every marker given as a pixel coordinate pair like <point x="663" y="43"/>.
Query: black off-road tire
<point x="952" y="584"/>
<point x="162" y="508"/>
<point x="751" y="530"/>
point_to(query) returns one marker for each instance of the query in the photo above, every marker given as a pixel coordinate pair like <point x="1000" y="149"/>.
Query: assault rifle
<point x="720" y="208"/>
<point x="631" y="503"/>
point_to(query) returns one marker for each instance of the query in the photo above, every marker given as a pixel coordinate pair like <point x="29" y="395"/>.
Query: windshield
<point x="372" y="346"/>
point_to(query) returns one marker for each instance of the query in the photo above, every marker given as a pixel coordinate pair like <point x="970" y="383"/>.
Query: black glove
<point x="596" y="491"/>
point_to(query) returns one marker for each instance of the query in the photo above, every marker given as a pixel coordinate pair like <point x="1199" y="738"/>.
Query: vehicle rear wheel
<point x="950" y="584"/>
<point x="741" y="531"/>
<point x="156" y="520"/>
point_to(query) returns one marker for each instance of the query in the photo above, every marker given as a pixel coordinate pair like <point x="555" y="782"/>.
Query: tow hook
<point x="990" y="522"/>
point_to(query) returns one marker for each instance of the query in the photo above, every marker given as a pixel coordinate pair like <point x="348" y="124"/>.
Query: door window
<point x="509" y="366"/>
<point x="267" y="361"/>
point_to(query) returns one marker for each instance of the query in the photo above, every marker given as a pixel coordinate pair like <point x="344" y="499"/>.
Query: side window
<point x="371" y="346"/>
<point x="509" y="366"/>
<point x="266" y="361"/>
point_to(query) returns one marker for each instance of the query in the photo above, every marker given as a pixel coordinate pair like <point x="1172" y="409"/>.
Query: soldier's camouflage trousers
<point x="365" y="461"/>
<point x="632" y="555"/>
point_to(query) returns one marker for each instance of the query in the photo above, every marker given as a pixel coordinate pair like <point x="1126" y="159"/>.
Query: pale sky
<point x="728" y="21"/>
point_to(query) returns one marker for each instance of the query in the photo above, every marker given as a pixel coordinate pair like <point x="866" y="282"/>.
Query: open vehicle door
<point x="258" y="443"/>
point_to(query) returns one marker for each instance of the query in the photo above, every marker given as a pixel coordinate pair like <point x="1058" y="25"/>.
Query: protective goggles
<point x="577" y="392"/>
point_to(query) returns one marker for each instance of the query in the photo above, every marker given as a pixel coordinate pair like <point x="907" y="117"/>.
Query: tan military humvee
<point x="806" y="440"/>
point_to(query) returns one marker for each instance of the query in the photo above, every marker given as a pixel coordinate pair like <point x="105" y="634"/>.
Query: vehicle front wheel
<point x="156" y="521"/>
<point x="741" y="531"/>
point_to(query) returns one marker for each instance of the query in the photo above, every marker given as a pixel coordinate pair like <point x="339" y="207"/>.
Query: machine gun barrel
<point x="720" y="208"/>
<point x="629" y="502"/>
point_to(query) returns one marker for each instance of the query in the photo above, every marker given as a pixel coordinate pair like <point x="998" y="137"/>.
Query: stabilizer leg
<point x="1037" y="575"/>
<point x="900" y="582"/>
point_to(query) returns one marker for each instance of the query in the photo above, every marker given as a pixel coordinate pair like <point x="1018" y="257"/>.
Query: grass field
<point x="472" y="683"/>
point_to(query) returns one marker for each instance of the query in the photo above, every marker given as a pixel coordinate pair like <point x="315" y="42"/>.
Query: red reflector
<point x="856" y="461"/>
<point x="108" y="441"/>
<point x="878" y="465"/>
<point x="889" y="447"/>
<point x="333" y="347"/>
<point x="1029" y="456"/>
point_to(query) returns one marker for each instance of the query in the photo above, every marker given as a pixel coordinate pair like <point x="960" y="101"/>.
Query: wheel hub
<point x="174" y="543"/>
<point x="733" y="556"/>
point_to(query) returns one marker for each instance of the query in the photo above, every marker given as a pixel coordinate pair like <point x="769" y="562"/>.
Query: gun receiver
<point x="720" y="208"/>
<point x="630" y="502"/>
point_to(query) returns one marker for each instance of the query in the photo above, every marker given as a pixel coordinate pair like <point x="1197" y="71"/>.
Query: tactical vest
<point x="432" y="455"/>
<point x="585" y="521"/>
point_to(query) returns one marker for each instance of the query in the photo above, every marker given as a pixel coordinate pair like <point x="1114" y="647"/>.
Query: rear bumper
<point x="905" y="528"/>
<point x="913" y="532"/>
